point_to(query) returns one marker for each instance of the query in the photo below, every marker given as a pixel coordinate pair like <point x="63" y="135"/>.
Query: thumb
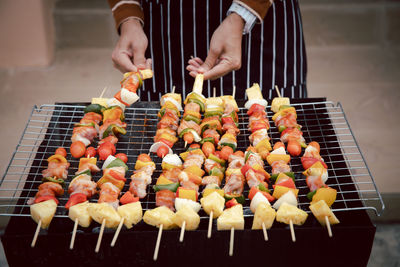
<point x="139" y="59"/>
<point x="210" y="61"/>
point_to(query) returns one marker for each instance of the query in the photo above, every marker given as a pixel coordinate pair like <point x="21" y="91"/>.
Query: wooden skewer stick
<point x="210" y="225"/>
<point x="328" y="226"/>
<point x="214" y="92"/>
<point x="265" y="232"/>
<point x="35" y="236"/>
<point x="71" y="245"/>
<point x="158" y="242"/>
<point x="185" y="144"/>
<point x="231" y="241"/>
<point x="182" y="231"/>
<point x="292" y="231"/>
<point x="117" y="232"/>
<point x="103" y="224"/>
<point x="234" y="91"/>
<point x="102" y="93"/>
<point x="277" y="90"/>
<point x="173" y="89"/>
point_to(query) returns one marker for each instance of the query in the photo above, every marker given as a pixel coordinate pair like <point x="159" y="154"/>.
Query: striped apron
<point x="272" y="54"/>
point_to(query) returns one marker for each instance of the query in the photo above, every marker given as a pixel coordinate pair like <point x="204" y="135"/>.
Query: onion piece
<point x="173" y="101"/>
<point x="279" y="151"/>
<point x="257" y="199"/>
<point x="288" y="198"/>
<point x="172" y="159"/>
<point x="154" y="147"/>
<point x="128" y="96"/>
<point x="107" y="162"/>
<point x="251" y="102"/>
<point x="115" y="102"/>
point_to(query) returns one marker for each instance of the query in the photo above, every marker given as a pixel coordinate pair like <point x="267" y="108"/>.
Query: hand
<point x="128" y="54"/>
<point x="225" y="52"/>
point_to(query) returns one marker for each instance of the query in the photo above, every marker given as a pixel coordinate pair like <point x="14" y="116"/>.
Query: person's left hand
<point x="225" y="54"/>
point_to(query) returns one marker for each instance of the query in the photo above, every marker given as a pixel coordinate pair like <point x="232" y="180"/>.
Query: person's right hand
<point x="129" y="53"/>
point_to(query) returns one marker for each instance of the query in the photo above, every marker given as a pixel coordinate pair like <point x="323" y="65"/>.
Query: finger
<point x="123" y="61"/>
<point x="198" y="60"/>
<point x="195" y="63"/>
<point x="191" y="68"/>
<point x="209" y="63"/>
<point x="139" y="59"/>
<point x="149" y="63"/>
<point x="218" y="71"/>
<point x="193" y="74"/>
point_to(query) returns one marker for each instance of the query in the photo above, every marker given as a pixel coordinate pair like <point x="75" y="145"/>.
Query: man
<point x="179" y="31"/>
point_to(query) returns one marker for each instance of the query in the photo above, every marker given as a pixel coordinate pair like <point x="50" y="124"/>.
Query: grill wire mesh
<point x="50" y="127"/>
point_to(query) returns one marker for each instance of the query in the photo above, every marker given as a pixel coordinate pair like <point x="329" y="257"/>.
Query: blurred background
<point x="60" y="50"/>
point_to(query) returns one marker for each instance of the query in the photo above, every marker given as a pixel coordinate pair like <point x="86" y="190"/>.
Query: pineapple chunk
<point x="80" y="212"/>
<point x="287" y="213"/>
<point x="161" y="215"/>
<point x="215" y="101"/>
<point x="189" y="216"/>
<point x="198" y="84"/>
<point x="100" y="211"/>
<point x="213" y="202"/>
<point x="44" y="211"/>
<point x="231" y="218"/>
<point x="228" y="99"/>
<point x="146" y="74"/>
<point x="264" y="214"/>
<point x="320" y="210"/>
<point x="279" y="101"/>
<point x="132" y="213"/>
<point x="254" y="92"/>
<point x="100" y="101"/>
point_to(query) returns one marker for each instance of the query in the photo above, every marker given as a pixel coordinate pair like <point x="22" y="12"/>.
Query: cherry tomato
<point x="77" y="149"/>
<point x="278" y="145"/>
<point x="208" y="148"/>
<point x="294" y="148"/>
<point x="144" y="157"/>
<point x="194" y="146"/>
<point x="90" y="152"/>
<point x="61" y="151"/>
<point x="122" y="157"/>
<point x="106" y="149"/>
<point x="162" y="151"/>
<point x="226" y="151"/>
<point x="188" y="138"/>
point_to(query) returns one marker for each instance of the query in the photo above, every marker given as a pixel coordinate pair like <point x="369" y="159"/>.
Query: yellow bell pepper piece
<point x="196" y="151"/>
<point x="83" y="161"/>
<point x="263" y="145"/>
<point x="281" y="190"/>
<point x="284" y="112"/>
<point x="163" y="180"/>
<point x="271" y="158"/>
<point x="325" y="193"/>
<point x="187" y="193"/>
<point x="57" y="158"/>
<point x="209" y="191"/>
<point x="140" y="164"/>
<point x="195" y="170"/>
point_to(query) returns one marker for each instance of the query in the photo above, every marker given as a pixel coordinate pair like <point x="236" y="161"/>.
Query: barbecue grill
<point x="50" y="126"/>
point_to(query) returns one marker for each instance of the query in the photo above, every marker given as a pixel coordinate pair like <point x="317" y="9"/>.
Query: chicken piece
<point x="167" y="122"/>
<point x="85" y="134"/>
<point x="321" y="210"/>
<point x="82" y="184"/>
<point x="231" y="218"/>
<point x="193" y="159"/>
<point x="280" y="166"/>
<point x="131" y="212"/>
<point x="165" y="198"/>
<point x="109" y="194"/>
<point x="254" y="178"/>
<point x="88" y="166"/>
<point x="264" y="214"/>
<point x="192" y="107"/>
<point x="189" y="124"/>
<point x="80" y="212"/>
<point x="172" y="174"/>
<point x="56" y="169"/>
<point x="258" y="136"/>
<point x="211" y="180"/>
<point x="209" y="164"/>
<point x="190" y="185"/>
<point x="161" y="215"/>
<point x="101" y="211"/>
<point x="43" y="211"/>
<point x="255" y="159"/>
<point x="234" y="184"/>
<point x="235" y="162"/>
<point x="213" y="202"/>
<point x="189" y="216"/>
<point x="97" y="118"/>
<point x="139" y="182"/>
<point x="287" y="213"/>
<point x="112" y="139"/>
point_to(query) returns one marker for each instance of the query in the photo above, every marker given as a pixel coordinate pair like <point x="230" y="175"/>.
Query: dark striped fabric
<point x="272" y="54"/>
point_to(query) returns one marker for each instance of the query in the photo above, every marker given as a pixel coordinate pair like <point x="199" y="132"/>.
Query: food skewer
<point x="44" y="205"/>
<point x="231" y="241"/>
<point x="72" y="242"/>
<point x="155" y="256"/>
<point x="103" y="224"/>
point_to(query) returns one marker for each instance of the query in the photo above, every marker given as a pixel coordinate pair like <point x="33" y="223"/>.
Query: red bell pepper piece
<point x="118" y="97"/>
<point x="127" y="198"/>
<point x="231" y="203"/>
<point x="76" y="199"/>
<point x="253" y="191"/>
<point x="255" y="108"/>
<point x="44" y="198"/>
<point x="286" y="183"/>
<point x="117" y="175"/>
<point x="308" y="162"/>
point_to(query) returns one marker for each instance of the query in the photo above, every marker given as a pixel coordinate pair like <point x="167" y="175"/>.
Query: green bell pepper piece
<point x="113" y="130"/>
<point x="311" y="194"/>
<point x="198" y="102"/>
<point x="117" y="163"/>
<point x="207" y="139"/>
<point x="87" y="172"/>
<point x="192" y="118"/>
<point x="54" y="180"/>
<point x="217" y="159"/>
<point x="97" y="108"/>
<point x="171" y="187"/>
<point x="263" y="188"/>
<point x="275" y="176"/>
<point x="239" y="198"/>
<point x="233" y="146"/>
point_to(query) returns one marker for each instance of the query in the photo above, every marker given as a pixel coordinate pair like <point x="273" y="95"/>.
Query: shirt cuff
<point x="245" y="14"/>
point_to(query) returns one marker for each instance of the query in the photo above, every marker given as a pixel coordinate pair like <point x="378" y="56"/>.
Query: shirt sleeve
<point x="124" y="9"/>
<point x="258" y="7"/>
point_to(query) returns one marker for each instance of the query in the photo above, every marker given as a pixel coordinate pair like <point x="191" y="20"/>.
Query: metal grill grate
<point x="50" y="126"/>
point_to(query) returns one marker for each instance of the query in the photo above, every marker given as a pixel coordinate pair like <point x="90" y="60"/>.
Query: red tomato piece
<point x="127" y="198"/>
<point x="61" y="151"/>
<point x="76" y="199"/>
<point x="122" y="156"/>
<point x="90" y="152"/>
<point x="77" y="149"/>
